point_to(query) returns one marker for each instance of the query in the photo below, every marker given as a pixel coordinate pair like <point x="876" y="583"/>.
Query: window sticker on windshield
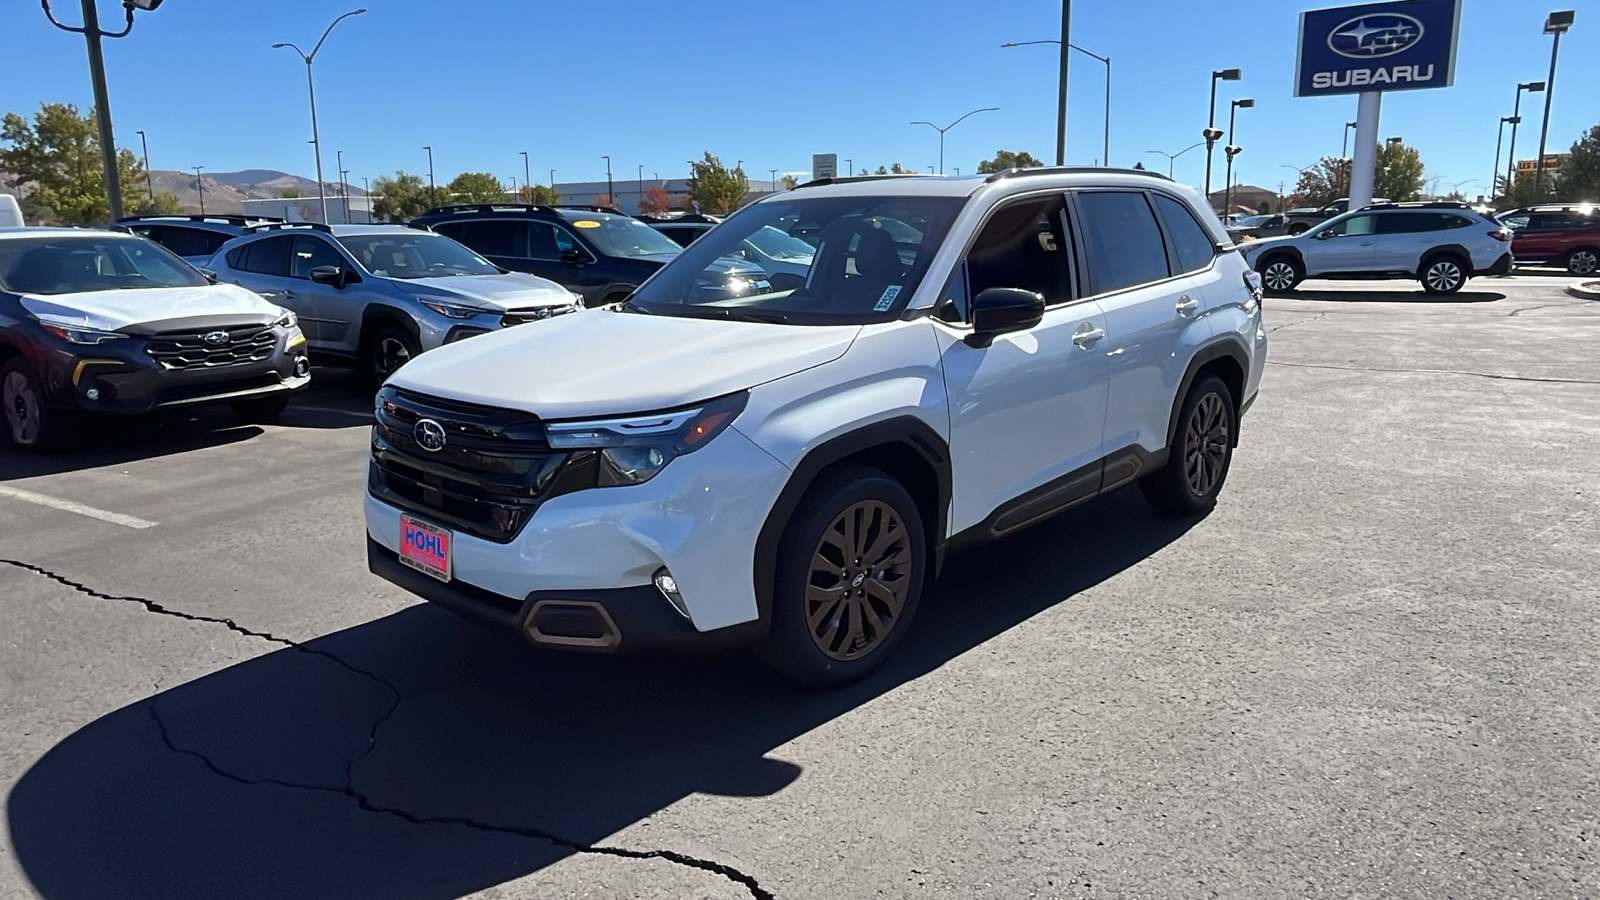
<point x="887" y="300"/>
<point x="587" y="223"/>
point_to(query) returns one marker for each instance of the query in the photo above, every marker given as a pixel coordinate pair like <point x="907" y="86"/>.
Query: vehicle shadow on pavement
<point x="260" y="780"/>
<point x="336" y="399"/>
<point x="1336" y="295"/>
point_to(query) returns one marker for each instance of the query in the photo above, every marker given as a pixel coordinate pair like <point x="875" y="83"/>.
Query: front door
<point x="1342" y="247"/>
<point x="1029" y="409"/>
<point x="337" y="310"/>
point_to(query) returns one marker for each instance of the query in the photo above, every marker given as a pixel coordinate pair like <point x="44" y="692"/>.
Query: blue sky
<point x="657" y="82"/>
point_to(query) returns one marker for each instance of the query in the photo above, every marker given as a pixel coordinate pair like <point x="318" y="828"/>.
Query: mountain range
<point x="225" y="192"/>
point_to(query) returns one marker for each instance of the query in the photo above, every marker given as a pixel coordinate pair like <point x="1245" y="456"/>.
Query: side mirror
<point x="332" y="276"/>
<point x="998" y="311"/>
<point x="210" y="275"/>
<point x="573" y="257"/>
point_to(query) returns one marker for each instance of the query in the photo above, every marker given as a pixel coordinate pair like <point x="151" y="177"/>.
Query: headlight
<point x="75" y="333"/>
<point x="634" y="449"/>
<point x="287" y="320"/>
<point x="453" y="310"/>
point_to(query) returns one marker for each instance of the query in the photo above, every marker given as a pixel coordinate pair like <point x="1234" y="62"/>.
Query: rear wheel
<point x="850" y="573"/>
<point x="1443" y="275"/>
<point x="1201" y="452"/>
<point x="388" y="348"/>
<point x="29" y="424"/>
<point x="1583" y="261"/>
<point x="1280" y="274"/>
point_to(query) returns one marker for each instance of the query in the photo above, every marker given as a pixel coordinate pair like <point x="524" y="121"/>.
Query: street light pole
<point x="641" y="187"/>
<point x="1231" y="151"/>
<point x="311" y="89"/>
<point x="1344" y="149"/>
<point x="774" y="180"/>
<point x="433" y="186"/>
<point x="610" y="191"/>
<point x="201" y="187"/>
<point x="852" y="167"/>
<point x="1106" y="150"/>
<point x="366" y="190"/>
<point x="1172" y="157"/>
<point x="1211" y="133"/>
<point x="102" y="100"/>
<point x="527" y="176"/>
<point x="1532" y="87"/>
<point x="338" y="156"/>
<point x="950" y="126"/>
<point x="144" y="145"/>
<point x="1555" y="24"/>
<point x="1061" y="100"/>
<point x="1497" y="140"/>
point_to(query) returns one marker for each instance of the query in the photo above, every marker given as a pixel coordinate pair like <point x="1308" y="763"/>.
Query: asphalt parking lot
<point x="1371" y="672"/>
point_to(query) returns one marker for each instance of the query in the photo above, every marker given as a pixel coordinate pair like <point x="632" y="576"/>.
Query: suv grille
<point x="493" y="471"/>
<point x="519" y="316"/>
<point x="191" y="350"/>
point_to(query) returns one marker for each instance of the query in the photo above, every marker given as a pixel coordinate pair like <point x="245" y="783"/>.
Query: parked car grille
<point x="493" y="471"/>
<point x="192" y="350"/>
<point x="534" y="314"/>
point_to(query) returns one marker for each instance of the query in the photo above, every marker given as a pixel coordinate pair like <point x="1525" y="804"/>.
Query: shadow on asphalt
<point x="1336" y="295"/>
<point x="336" y="399"/>
<point x="487" y="730"/>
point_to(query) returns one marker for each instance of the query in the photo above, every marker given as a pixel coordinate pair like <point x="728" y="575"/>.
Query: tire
<point x="1443" y="275"/>
<point x="1201" y="452"/>
<point x="818" y="635"/>
<point x="1281" y="274"/>
<point x="26" y="422"/>
<point x="265" y="409"/>
<point x="1584" y="261"/>
<point x="387" y="349"/>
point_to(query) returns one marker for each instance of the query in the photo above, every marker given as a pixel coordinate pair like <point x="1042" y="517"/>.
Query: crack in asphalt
<point x="1493" y="375"/>
<point x="350" y="791"/>
<point x="1292" y="324"/>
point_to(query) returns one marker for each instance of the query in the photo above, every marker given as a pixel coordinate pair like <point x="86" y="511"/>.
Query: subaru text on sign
<point x="1377" y="47"/>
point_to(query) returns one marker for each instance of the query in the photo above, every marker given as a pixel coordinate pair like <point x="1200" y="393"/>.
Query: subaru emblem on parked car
<point x="429" y="435"/>
<point x="215" y="337"/>
<point x="1372" y="36"/>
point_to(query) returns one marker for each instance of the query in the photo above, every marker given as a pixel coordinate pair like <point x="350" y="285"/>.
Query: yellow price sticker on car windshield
<point x="587" y="223"/>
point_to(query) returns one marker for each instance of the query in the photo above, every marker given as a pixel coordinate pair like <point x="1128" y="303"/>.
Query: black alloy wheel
<point x="1201" y="452"/>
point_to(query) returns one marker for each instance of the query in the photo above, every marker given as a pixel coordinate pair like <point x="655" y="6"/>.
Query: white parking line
<point x="71" y="507"/>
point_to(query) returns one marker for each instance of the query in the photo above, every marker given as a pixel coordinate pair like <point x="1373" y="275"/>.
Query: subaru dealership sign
<point x="1377" y="47"/>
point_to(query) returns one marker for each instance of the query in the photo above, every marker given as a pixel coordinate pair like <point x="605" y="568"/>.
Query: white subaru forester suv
<point x="785" y="463"/>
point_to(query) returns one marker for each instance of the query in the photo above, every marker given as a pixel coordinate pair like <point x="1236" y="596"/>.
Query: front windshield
<point x="622" y="236"/>
<point x="869" y="255"/>
<point x="776" y="244"/>
<point x="72" y="264"/>
<point x="415" y="255"/>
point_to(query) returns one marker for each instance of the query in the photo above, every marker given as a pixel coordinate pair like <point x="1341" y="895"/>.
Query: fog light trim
<point x="668" y="586"/>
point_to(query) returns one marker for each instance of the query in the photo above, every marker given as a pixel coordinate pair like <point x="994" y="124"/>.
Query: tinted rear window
<point x="1195" y="248"/>
<point x="1122" y="240"/>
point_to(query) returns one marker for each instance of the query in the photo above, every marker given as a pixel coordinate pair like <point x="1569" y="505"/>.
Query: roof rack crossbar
<point x="1063" y="170"/>
<point x="486" y="207"/>
<point x="218" y="217"/>
<point x="288" y="226"/>
<point x="855" y="179"/>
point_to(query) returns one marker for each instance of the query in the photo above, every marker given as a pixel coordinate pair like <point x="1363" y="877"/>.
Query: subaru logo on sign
<point x="215" y="337"/>
<point x="429" y="435"/>
<point x="1373" y="37"/>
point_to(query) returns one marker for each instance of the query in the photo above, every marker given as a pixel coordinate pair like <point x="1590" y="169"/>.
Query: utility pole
<point x="1061" y="99"/>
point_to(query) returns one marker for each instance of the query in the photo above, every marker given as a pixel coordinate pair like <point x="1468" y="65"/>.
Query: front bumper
<point x="698" y="519"/>
<point x="123" y="378"/>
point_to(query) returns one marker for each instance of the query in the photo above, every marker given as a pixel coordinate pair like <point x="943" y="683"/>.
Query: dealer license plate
<point x="425" y="547"/>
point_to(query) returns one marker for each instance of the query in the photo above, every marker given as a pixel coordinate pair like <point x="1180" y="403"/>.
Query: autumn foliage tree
<point x="656" y="201"/>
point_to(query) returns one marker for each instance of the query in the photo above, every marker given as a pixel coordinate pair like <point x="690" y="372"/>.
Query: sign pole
<point x="1364" y="165"/>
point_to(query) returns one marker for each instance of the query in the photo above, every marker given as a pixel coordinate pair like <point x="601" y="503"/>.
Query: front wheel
<point x="387" y="349"/>
<point x="1281" y="274"/>
<point x="1583" y="261"/>
<point x="29" y="424"/>
<point x="850" y="572"/>
<point x="1444" y="275"/>
<point x="1201" y="452"/>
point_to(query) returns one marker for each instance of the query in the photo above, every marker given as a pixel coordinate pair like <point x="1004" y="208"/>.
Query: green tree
<point x="1005" y="159"/>
<point x="58" y="156"/>
<point x="291" y="193"/>
<point x="1399" y="172"/>
<point x="165" y="204"/>
<point x="475" y="187"/>
<point x="894" y="169"/>
<point x="401" y="197"/>
<point x="539" y="194"/>
<point x="789" y="182"/>
<point x="717" y="190"/>
<point x="1580" y="177"/>
<point x="1322" y="184"/>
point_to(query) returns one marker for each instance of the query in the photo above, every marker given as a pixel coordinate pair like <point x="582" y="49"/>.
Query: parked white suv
<point x="1441" y="244"/>
<point x="963" y="358"/>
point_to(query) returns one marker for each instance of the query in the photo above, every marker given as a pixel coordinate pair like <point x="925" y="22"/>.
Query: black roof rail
<point x="280" y="226"/>
<point x="589" y="207"/>
<point x="853" y="179"/>
<point x="1419" y="204"/>
<point x="1071" y="170"/>
<point x="180" y="217"/>
<point x="456" y="208"/>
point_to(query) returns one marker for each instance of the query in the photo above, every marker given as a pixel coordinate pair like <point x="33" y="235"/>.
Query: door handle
<point x="1087" y="334"/>
<point x="1187" y="304"/>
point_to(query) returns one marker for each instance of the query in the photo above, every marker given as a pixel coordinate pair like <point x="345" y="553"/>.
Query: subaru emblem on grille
<point x="215" y="337"/>
<point x="429" y="435"/>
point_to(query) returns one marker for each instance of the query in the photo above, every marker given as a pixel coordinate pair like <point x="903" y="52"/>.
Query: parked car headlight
<point x="453" y="310"/>
<point x="77" y="333"/>
<point x="635" y="449"/>
<point x="287" y="320"/>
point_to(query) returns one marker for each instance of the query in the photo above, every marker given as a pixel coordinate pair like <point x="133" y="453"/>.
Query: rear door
<point x="263" y="266"/>
<point x="1545" y="236"/>
<point x="1403" y="238"/>
<point x="1343" y="246"/>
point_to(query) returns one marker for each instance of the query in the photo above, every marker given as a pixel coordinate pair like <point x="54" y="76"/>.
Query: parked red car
<point x="1556" y="235"/>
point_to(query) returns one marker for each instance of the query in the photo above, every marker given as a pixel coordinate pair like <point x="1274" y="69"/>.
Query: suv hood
<point x="497" y="292"/>
<point x="1251" y="248"/>
<point x="120" y="309"/>
<point x="600" y="362"/>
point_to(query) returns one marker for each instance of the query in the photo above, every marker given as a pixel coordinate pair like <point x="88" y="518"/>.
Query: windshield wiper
<point x="629" y="306"/>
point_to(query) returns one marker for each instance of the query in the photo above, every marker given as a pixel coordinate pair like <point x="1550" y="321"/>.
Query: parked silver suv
<point x="381" y="294"/>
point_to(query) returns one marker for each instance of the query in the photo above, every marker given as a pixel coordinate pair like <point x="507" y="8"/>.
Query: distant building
<point x="309" y="209"/>
<point x="1246" y="198"/>
<point x="628" y="191"/>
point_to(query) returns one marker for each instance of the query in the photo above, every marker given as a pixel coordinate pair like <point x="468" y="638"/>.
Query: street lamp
<point x="1345" y="148"/>
<point x="1555" y="24"/>
<point x="316" y="143"/>
<point x="338" y="164"/>
<point x="527" y="176"/>
<point x="609" y="189"/>
<point x="97" y="74"/>
<point x="950" y="126"/>
<point x="201" y="187"/>
<point x="1106" y="151"/>
<point x="774" y="180"/>
<point x="1504" y="120"/>
<point x="1231" y="151"/>
<point x="1211" y="133"/>
<point x="1171" y="157"/>
<point x="433" y="187"/>
<point x="152" y="185"/>
<point x="852" y="164"/>
<point x="366" y="190"/>
<point x="641" y="185"/>
<point x="1532" y="87"/>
